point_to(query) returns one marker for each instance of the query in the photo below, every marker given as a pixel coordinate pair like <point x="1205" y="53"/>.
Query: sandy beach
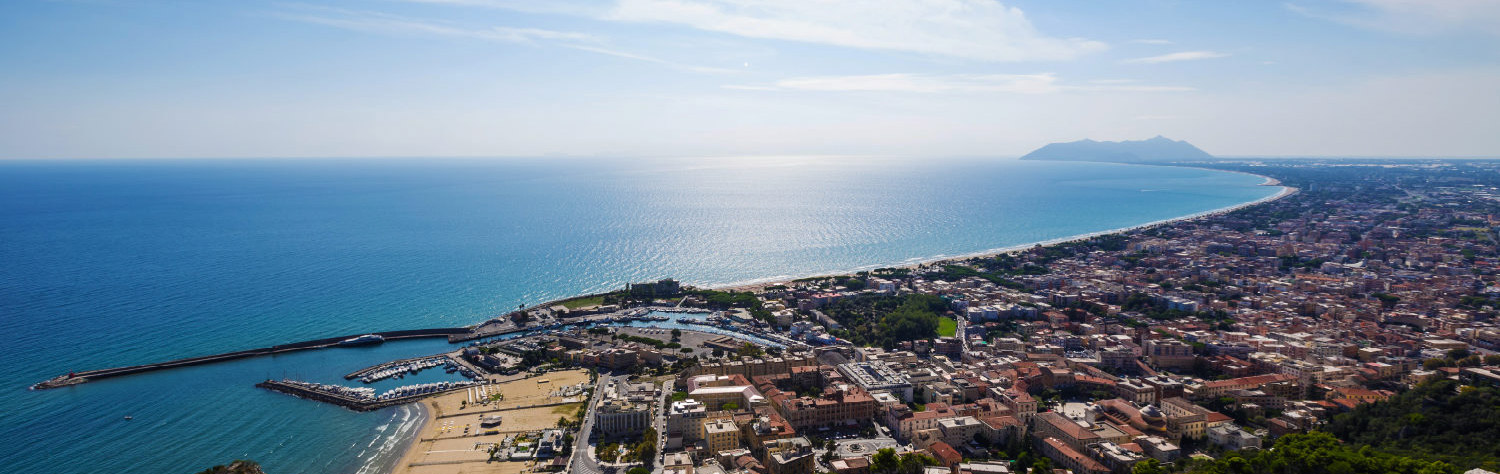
<point x="451" y="440"/>
<point x="1269" y="181"/>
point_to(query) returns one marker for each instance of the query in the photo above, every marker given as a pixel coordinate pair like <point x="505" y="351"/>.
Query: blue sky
<point x="161" y="78"/>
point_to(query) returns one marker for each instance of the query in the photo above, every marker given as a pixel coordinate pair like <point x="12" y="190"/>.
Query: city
<point x="1164" y="349"/>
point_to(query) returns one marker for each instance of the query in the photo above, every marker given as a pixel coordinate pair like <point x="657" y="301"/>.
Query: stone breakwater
<point x="88" y="375"/>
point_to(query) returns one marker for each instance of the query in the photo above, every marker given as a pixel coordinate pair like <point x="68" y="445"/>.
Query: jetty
<point x="75" y="378"/>
<point x="345" y="398"/>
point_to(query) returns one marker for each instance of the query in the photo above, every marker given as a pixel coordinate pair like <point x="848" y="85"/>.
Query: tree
<point x="730" y="406"/>
<point x="644" y="452"/>
<point x="1459" y="353"/>
<point x="1149" y="466"/>
<point x="609" y="452"/>
<point x="676" y="334"/>
<point x="1437" y="420"/>
<point x="751" y="350"/>
<point x="913" y="463"/>
<point x="885" y="462"/>
<point x="1042" y="465"/>
<point x="638" y="470"/>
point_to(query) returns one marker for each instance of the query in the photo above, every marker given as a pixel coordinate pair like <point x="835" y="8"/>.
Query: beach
<point x="761" y="284"/>
<point x="352" y="265"/>
<point x="452" y="441"/>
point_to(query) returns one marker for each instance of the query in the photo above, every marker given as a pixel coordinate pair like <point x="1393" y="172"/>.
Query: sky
<point x="636" y="78"/>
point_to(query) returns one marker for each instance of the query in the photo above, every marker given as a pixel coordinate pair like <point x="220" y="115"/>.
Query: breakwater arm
<point x="88" y="375"/>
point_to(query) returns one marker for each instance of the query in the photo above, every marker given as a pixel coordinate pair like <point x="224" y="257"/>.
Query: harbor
<point x="361" y="398"/>
<point x="399" y="368"/>
<point x="74" y="378"/>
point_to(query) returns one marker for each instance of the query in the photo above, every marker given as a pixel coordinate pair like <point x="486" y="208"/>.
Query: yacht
<point x="366" y="339"/>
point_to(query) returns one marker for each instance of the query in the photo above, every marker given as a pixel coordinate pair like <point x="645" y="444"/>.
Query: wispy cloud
<point x="982" y="30"/>
<point x="1043" y="83"/>
<point x="1175" y="57"/>
<point x="387" y="24"/>
<point x="1411" y="16"/>
<point x="375" y="22"/>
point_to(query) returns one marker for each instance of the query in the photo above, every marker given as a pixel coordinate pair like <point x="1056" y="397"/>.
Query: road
<point x="660" y="423"/>
<point x="582" y="462"/>
<point x="963" y="339"/>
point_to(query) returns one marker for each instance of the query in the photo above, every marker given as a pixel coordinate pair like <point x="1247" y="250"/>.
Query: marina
<point x="399" y="368"/>
<point x="360" y="398"/>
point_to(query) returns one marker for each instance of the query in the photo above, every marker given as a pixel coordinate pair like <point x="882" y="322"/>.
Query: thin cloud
<point x="1044" y="83"/>
<point x="1175" y="57"/>
<point x="381" y="23"/>
<point x="982" y="30"/>
<point x="1152" y="41"/>
<point x="1417" y="17"/>
<point x="386" y="24"/>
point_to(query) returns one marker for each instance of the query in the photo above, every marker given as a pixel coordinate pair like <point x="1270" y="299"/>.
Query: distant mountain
<point x="1155" y="150"/>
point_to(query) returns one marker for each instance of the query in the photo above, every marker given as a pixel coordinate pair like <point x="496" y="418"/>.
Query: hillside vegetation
<point x="1436" y="420"/>
<point x="1320" y="453"/>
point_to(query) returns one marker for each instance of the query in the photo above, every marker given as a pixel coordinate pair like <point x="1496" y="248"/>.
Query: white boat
<point x="366" y="339"/>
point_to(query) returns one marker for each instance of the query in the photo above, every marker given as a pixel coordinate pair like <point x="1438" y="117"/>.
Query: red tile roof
<point x="945" y="454"/>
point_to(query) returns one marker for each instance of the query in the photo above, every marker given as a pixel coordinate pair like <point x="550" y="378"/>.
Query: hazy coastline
<point x="914" y="263"/>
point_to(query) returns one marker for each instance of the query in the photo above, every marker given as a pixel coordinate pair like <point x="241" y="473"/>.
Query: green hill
<point x="1437" y="420"/>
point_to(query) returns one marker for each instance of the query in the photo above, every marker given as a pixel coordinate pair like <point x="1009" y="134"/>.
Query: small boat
<point x="128" y="417"/>
<point x="366" y="339"/>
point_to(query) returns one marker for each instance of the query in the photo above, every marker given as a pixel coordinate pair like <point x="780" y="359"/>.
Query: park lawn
<point x="947" y="327"/>
<point x="586" y="301"/>
<point x="567" y="409"/>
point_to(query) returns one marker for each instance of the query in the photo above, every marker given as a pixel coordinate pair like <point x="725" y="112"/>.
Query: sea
<point x="107" y="263"/>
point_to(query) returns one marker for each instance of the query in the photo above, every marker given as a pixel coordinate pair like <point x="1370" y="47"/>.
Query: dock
<point x="91" y="375"/>
<point x="352" y="403"/>
<point x="395" y="363"/>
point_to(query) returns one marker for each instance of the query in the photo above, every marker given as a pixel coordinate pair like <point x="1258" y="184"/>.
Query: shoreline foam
<point x="408" y="448"/>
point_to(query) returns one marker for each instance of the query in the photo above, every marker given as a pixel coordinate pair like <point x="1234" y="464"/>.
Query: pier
<point x="361" y="373"/>
<point x="352" y="403"/>
<point x="90" y="375"/>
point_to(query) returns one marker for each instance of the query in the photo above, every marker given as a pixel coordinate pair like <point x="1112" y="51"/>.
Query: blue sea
<point x="109" y="263"/>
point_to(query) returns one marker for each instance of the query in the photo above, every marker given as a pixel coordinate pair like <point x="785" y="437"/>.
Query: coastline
<point x="410" y="446"/>
<point x="529" y="404"/>
<point x="1286" y="191"/>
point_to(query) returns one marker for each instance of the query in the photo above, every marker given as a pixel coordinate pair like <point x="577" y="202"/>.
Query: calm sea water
<point x="111" y="263"/>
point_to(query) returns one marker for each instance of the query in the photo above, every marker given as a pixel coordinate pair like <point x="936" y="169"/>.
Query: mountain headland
<point x="1155" y="150"/>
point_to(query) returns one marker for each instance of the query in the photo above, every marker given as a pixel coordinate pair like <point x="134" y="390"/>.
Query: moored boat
<point x="364" y="340"/>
